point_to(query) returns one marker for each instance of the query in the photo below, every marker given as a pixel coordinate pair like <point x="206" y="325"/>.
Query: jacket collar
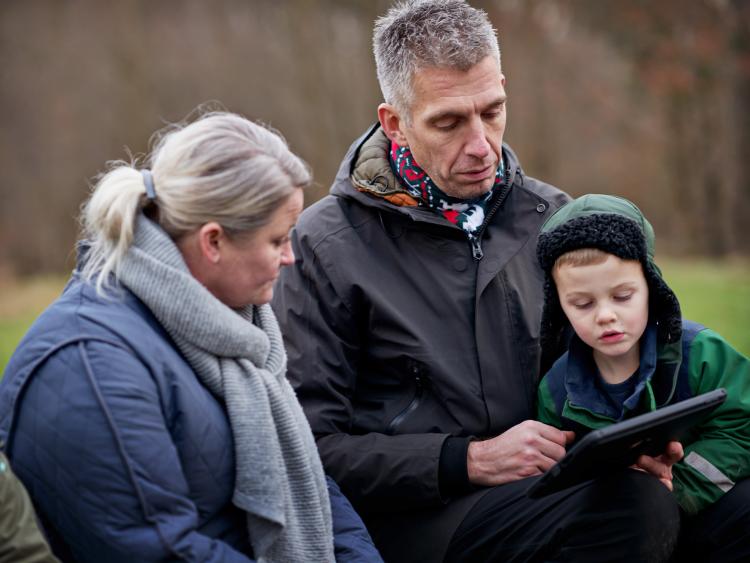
<point x="367" y="173"/>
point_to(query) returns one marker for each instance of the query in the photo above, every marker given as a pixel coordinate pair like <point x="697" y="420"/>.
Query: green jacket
<point x="717" y="454"/>
<point x="20" y="538"/>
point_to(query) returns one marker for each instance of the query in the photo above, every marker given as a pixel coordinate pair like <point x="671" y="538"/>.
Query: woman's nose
<point x="287" y="254"/>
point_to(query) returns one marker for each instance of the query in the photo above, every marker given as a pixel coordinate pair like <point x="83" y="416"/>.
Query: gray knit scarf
<point x="240" y="357"/>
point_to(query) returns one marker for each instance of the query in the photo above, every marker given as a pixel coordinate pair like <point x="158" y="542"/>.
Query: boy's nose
<point x="605" y="315"/>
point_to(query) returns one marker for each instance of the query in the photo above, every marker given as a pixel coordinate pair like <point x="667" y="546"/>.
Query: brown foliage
<point x="644" y="99"/>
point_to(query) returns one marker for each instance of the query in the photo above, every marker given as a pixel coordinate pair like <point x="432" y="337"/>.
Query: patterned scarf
<point x="467" y="214"/>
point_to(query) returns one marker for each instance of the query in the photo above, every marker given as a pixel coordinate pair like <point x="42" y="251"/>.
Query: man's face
<point x="457" y="125"/>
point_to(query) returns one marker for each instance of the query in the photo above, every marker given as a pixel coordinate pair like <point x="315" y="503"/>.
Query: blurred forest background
<point x="645" y="99"/>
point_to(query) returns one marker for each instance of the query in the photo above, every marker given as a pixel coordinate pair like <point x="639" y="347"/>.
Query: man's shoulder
<point x="553" y="196"/>
<point x="546" y="191"/>
<point x="330" y="217"/>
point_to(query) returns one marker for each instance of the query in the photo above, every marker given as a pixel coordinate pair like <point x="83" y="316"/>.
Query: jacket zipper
<point x="476" y="242"/>
<point x="412" y="406"/>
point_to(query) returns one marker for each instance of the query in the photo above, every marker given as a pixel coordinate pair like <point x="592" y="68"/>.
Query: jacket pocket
<point x="416" y="371"/>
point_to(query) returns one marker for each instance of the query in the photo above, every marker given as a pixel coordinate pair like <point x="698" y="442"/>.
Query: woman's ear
<point x="211" y="240"/>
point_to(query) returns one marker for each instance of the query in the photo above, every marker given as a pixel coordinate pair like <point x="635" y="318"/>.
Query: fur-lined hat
<point x="616" y="226"/>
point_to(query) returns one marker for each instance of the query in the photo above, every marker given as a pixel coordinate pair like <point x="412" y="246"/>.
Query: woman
<point x="147" y="410"/>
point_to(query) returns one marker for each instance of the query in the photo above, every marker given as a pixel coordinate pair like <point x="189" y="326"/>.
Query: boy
<point x="631" y="351"/>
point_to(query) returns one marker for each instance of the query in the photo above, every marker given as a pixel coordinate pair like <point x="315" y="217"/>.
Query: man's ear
<point x="211" y="238"/>
<point x="392" y="124"/>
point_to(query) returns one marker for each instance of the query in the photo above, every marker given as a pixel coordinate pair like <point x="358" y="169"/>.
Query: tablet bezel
<point x="620" y="444"/>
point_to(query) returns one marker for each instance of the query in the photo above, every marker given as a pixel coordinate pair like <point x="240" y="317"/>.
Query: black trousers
<point x="629" y="516"/>
<point x="721" y="532"/>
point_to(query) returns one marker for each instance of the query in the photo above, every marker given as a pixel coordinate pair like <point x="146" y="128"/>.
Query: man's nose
<point x="477" y="144"/>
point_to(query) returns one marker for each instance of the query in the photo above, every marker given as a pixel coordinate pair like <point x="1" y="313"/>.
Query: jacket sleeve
<point x="92" y="444"/>
<point x="352" y="541"/>
<point x="20" y="537"/>
<point x="720" y="454"/>
<point x="320" y="321"/>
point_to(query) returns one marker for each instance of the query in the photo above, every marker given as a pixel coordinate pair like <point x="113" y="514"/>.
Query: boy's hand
<point x="529" y="448"/>
<point x="661" y="465"/>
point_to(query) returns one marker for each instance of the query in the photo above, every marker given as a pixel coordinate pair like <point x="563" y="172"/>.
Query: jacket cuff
<point x="453" y="476"/>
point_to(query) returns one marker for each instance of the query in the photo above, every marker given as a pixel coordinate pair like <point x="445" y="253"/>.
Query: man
<point x="411" y="319"/>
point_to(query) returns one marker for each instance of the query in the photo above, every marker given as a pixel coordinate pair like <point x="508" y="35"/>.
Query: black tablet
<point x="619" y="445"/>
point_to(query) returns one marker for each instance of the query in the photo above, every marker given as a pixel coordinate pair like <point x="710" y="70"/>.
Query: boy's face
<point x="607" y="305"/>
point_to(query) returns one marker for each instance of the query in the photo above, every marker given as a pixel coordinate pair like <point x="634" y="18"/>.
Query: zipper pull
<point x="476" y="249"/>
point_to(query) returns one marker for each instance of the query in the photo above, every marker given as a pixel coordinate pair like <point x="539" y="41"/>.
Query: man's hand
<point x="661" y="466"/>
<point x="527" y="449"/>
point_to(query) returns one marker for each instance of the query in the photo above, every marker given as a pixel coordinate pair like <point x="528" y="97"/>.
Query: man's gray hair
<point x="416" y="34"/>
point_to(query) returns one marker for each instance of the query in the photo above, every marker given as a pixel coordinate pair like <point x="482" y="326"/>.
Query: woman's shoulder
<point x="81" y="314"/>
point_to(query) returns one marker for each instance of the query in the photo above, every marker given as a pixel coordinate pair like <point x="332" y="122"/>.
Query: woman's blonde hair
<point x="221" y="167"/>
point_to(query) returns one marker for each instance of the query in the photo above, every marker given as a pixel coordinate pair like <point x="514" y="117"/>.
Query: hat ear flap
<point x="664" y="307"/>
<point x="555" y="328"/>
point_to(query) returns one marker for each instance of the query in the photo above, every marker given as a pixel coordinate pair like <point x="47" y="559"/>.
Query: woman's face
<point x="249" y="265"/>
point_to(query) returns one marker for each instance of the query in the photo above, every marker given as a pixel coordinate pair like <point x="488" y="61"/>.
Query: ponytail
<point x="109" y="219"/>
<point x="220" y="168"/>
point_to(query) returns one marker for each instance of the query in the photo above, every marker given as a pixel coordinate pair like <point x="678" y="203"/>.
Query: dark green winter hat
<point x="616" y="226"/>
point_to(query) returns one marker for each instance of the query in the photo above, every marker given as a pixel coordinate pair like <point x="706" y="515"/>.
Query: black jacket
<point x="400" y="335"/>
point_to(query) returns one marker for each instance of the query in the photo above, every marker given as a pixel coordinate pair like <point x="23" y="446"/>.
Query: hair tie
<point x="148" y="180"/>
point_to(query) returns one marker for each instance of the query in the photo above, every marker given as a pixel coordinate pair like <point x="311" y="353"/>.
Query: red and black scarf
<point x="467" y="214"/>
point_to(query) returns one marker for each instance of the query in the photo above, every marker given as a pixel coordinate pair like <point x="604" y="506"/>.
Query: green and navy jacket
<point x="717" y="453"/>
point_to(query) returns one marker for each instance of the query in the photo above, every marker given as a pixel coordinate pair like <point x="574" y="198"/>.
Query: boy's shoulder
<point x="690" y="329"/>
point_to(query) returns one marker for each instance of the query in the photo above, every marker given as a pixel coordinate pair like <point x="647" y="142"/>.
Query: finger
<point x="545" y="463"/>
<point x="668" y="484"/>
<point x="556" y="435"/>
<point x="674" y="452"/>
<point x="551" y="449"/>
<point x="654" y="467"/>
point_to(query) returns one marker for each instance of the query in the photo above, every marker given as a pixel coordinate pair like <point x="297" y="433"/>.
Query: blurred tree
<point x="645" y="99"/>
<point x="694" y="57"/>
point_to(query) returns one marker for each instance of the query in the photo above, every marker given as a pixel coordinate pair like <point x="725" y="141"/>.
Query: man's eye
<point x="446" y="125"/>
